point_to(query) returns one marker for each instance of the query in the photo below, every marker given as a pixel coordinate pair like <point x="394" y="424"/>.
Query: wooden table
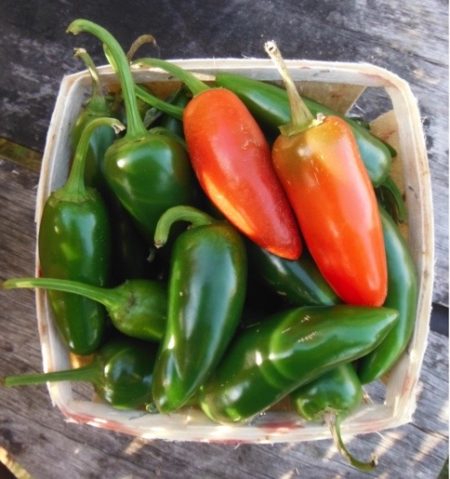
<point x="410" y="40"/>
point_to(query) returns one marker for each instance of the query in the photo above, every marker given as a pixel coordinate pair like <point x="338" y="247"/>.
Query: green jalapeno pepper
<point x="331" y="397"/>
<point x="121" y="372"/>
<point x="337" y="391"/>
<point x="298" y="282"/>
<point x="270" y="105"/>
<point x="137" y="307"/>
<point x="162" y="130"/>
<point x="206" y="296"/>
<point x="402" y="295"/>
<point x="391" y="198"/>
<point x="148" y="173"/>
<point x="129" y="249"/>
<point x="102" y="138"/>
<point x="131" y="253"/>
<point x="74" y="243"/>
<point x="271" y="359"/>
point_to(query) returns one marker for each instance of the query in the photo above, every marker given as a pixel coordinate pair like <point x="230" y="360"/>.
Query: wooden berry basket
<point x="337" y="85"/>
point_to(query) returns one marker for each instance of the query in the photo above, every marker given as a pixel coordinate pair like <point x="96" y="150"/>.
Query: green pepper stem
<point x="87" y="373"/>
<point x="301" y="117"/>
<point x="75" y="184"/>
<point x="178" y="213"/>
<point x="195" y="85"/>
<point x="118" y="60"/>
<point x="84" y="56"/>
<point x="152" y="100"/>
<point x="105" y="296"/>
<point x="334" y="423"/>
<point x="141" y="40"/>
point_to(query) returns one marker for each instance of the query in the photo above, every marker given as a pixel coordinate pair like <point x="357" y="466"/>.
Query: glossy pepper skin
<point x="74" y="243"/>
<point x="336" y="208"/>
<point x="320" y="168"/>
<point x="331" y="397"/>
<point x="231" y="159"/>
<point x="206" y="296"/>
<point x="102" y="138"/>
<point x="391" y="198"/>
<point x="149" y="179"/>
<point x="148" y="173"/>
<point x="402" y="295"/>
<point x="137" y="308"/>
<point x="270" y="360"/>
<point x="270" y="106"/>
<point x="298" y="282"/>
<point x="129" y="249"/>
<point x="121" y="372"/>
<point x="338" y="391"/>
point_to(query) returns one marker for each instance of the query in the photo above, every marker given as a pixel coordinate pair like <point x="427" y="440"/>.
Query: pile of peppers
<point x="202" y="258"/>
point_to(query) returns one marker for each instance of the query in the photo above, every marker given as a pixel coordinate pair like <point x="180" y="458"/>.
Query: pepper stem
<point x="154" y="101"/>
<point x="334" y="423"/>
<point x="178" y="213"/>
<point x="301" y="117"/>
<point x="105" y="296"/>
<point x="75" y="184"/>
<point x="118" y="60"/>
<point x="195" y="85"/>
<point x="84" y="56"/>
<point x="87" y="373"/>
<point x="141" y="40"/>
<point x="144" y="95"/>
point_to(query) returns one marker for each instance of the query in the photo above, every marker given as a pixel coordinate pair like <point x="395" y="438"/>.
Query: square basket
<point x="338" y="85"/>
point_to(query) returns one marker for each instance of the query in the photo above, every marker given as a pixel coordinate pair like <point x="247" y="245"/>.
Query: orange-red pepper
<point x="232" y="161"/>
<point x="319" y="165"/>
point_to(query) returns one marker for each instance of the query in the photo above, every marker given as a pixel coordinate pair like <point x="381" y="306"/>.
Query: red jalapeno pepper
<point x="319" y="165"/>
<point x="231" y="158"/>
<point x="270" y="105"/>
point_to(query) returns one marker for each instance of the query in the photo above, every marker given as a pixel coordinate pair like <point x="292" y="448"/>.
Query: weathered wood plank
<point x="38" y="438"/>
